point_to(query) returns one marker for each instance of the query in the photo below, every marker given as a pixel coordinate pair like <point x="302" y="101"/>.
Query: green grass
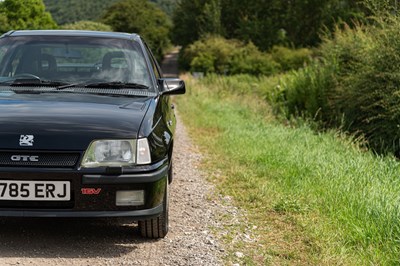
<point x="315" y="198"/>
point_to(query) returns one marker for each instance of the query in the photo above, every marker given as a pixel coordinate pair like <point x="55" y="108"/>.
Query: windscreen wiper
<point x="116" y="85"/>
<point x="32" y="81"/>
<point x="112" y="85"/>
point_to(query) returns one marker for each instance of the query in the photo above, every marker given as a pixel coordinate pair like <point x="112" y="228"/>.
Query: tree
<point x="210" y="19"/>
<point x="264" y="22"/>
<point x="305" y="21"/>
<point x="253" y="20"/>
<point x="185" y="22"/>
<point x="87" y="25"/>
<point x="27" y="14"/>
<point x="302" y="21"/>
<point x="144" y="18"/>
<point x="70" y="11"/>
<point x="194" y="19"/>
<point x="168" y="6"/>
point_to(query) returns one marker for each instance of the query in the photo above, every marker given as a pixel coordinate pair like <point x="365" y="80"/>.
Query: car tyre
<point x="157" y="227"/>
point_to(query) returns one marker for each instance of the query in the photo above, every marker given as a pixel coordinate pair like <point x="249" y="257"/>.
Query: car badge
<point x="26" y="140"/>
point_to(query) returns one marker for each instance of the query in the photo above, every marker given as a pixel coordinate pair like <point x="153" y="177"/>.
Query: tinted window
<point x="73" y="59"/>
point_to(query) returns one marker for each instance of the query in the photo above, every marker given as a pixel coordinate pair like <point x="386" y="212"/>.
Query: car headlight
<point x="117" y="153"/>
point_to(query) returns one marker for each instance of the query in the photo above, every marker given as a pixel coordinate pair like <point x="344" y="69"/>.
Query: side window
<point x="153" y="63"/>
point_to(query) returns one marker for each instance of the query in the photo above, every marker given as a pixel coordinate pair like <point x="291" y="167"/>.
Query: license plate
<point x="35" y="190"/>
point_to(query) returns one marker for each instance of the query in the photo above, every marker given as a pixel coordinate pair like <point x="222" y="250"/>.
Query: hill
<point x="69" y="11"/>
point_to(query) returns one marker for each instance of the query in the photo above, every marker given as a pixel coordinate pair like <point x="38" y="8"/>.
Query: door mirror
<point x="171" y="86"/>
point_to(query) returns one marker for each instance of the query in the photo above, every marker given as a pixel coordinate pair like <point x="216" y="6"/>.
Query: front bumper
<point x="100" y="205"/>
<point x="136" y="215"/>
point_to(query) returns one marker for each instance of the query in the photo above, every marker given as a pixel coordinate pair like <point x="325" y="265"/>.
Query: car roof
<point x="79" y="33"/>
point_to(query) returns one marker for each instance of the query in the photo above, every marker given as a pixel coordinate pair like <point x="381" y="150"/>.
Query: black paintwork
<point x="69" y="121"/>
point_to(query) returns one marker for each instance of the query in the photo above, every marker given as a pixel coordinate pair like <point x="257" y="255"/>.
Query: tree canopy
<point x="27" y="14"/>
<point x="265" y="23"/>
<point x="70" y="11"/>
<point x="86" y="25"/>
<point x="144" y="18"/>
<point x="168" y="6"/>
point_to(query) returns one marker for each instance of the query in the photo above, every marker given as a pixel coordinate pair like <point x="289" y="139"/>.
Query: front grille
<point x="39" y="159"/>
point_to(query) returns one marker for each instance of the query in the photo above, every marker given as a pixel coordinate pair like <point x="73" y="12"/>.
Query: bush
<point x="357" y="87"/>
<point x="214" y="54"/>
<point x="291" y="58"/>
<point x="305" y="92"/>
<point x="248" y="59"/>
<point x="368" y="82"/>
<point x="203" y="62"/>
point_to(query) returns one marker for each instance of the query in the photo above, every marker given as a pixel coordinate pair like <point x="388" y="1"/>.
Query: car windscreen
<point x="73" y="59"/>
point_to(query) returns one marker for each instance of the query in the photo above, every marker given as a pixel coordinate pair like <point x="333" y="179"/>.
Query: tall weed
<point x="316" y="199"/>
<point x="368" y="82"/>
<point x="355" y="86"/>
<point x="304" y="92"/>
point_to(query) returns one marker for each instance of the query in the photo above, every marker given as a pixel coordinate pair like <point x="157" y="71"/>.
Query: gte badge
<point x="26" y="140"/>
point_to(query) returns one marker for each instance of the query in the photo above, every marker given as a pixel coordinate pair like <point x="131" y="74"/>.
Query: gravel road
<point x="108" y="242"/>
<point x="104" y="242"/>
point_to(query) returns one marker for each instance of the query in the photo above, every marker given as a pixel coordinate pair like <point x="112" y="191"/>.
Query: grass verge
<point x="312" y="198"/>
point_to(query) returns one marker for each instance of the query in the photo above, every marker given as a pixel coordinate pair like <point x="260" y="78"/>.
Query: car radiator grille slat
<point x="39" y="159"/>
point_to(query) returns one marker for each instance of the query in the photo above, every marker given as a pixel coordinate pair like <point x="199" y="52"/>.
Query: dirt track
<point x="105" y="242"/>
<point x="100" y="242"/>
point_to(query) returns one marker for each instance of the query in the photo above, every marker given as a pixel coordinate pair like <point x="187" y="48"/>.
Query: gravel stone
<point x="29" y="241"/>
<point x="239" y="254"/>
<point x="195" y="224"/>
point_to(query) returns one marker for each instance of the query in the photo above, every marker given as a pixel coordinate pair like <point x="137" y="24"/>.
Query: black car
<point x="86" y="128"/>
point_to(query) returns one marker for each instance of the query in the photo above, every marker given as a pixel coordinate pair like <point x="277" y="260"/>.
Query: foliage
<point x="210" y="19"/>
<point x="356" y="87"/>
<point x="382" y="7"/>
<point x="210" y="55"/>
<point x="214" y="54"/>
<point x="313" y="199"/>
<point x="277" y="23"/>
<point x="368" y="78"/>
<point x="218" y="55"/>
<point x="290" y="59"/>
<point x="248" y="59"/>
<point x="305" y="92"/>
<point x="29" y="14"/>
<point x="86" y="25"/>
<point x="144" y="18"/>
<point x="70" y="11"/>
<point x="168" y="6"/>
<point x="190" y="21"/>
